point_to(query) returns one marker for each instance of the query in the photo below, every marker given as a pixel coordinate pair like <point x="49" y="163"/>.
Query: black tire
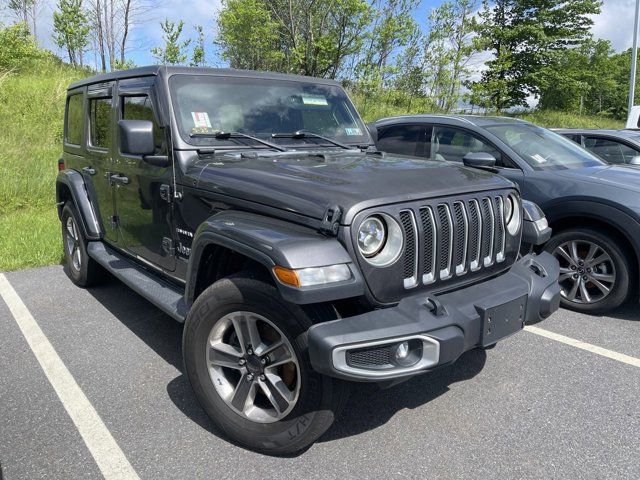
<point x="89" y="272"/>
<point x="320" y="398"/>
<point x="619" y="290"/>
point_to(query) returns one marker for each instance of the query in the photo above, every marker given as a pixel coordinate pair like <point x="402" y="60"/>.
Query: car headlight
<point x="380" y="239"/>
<point x="512" y="214"/>
<point x="371" y="236"/>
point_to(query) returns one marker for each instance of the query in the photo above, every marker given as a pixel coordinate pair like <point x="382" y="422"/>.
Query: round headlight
<point x="512" y="214"/>
<point x="380" y="240"/>
<point x="371" y="236"/>
<point x="508" y="209"/>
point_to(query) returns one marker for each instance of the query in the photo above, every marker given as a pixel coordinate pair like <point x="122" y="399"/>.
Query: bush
<point x="18" y="49"/>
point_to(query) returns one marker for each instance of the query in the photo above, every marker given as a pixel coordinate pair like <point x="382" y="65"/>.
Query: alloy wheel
<point x="73" y="244"/>
<point x="587" y="271"/>
<point x="253" y="367"/>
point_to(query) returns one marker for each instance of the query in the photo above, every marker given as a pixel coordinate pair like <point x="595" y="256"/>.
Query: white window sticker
<point x="353" y="131"/>
<point x="539" y="158"/>
<point x="201" y="120"/>
<point x="318" y="100"/>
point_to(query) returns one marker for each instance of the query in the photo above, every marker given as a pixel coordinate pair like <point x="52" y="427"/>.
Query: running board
<point x="160" y="293"/>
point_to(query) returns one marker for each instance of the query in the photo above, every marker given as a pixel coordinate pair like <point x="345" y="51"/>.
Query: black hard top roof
<point x="169" y="70"/>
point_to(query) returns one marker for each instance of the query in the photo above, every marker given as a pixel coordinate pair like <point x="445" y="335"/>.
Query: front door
<point x="99" y="156"/>
<point x="453" y="143"/>
<point x="143" y="195"/>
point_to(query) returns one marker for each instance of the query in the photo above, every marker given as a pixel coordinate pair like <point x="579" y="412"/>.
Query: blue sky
<point x="615" y="23"/>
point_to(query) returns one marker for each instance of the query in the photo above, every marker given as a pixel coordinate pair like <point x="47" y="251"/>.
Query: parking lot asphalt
<point x="532" y="407"/>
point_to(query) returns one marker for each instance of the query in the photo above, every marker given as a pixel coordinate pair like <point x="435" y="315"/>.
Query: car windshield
<point x="206" y="104"/>
<point x="544" y="149"/>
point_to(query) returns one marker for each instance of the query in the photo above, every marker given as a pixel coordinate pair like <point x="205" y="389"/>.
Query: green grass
<point x="554" y="119"/>
<point x="31" y="113"/>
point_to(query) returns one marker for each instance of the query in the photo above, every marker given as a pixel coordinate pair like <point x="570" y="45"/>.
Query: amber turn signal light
<point x="287" y="276"/>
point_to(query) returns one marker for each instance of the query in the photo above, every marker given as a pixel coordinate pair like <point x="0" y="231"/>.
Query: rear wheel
<point x="81" y="269"/>
<point x="246" y="357"/>
<point x="594" y="270"/>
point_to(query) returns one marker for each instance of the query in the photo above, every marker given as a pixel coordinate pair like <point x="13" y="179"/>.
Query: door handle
<point x="119" y="178"/>
<point x="89" y="170"/>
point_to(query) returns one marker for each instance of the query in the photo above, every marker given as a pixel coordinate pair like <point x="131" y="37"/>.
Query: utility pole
<point x="634" y="59"/>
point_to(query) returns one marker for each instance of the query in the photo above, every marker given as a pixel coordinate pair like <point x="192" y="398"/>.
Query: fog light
<point x="407" y="353"/>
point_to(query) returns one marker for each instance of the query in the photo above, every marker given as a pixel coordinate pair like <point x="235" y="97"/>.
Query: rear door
<point x="99" y="155"/>
<point x="143" y="192"/>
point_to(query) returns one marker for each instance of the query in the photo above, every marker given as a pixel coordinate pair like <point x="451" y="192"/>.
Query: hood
<point x="307" y="183"/>
<point x="618" y="176"/>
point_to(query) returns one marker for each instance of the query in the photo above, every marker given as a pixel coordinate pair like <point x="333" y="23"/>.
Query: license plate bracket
<point x="502" y="320"/>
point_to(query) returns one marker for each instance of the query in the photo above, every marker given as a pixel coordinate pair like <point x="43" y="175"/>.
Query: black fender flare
<point x="74" y="183"/>
<point x="272" y="242"/>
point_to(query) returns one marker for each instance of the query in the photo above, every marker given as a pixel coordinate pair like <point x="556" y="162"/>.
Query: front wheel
<point x="594" y="270"/>
<point x="245" y="353"/>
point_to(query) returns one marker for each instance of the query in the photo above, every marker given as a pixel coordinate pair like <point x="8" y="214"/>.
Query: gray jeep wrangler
<point x="254" y="208"/>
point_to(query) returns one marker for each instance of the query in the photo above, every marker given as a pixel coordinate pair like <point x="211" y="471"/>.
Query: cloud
<point x="615" y="23"/>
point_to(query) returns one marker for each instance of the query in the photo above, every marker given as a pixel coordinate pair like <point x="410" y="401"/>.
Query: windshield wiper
<point x="228" y="135"/>
<point x="304" y="134"/>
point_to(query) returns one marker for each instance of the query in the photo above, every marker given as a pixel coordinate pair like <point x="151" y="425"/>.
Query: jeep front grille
<point x="452" y="238"/>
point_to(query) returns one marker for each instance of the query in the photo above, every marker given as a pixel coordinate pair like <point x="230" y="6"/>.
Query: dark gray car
<point x="593" y="207"/>
<point x="617" y="147"/>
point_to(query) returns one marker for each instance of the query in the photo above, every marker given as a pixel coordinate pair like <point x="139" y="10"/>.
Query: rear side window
<point x="100" y="122"/>
<point x="401" y="139"/>
<point x="139" y="108"/>
<point x="74" y="120"/>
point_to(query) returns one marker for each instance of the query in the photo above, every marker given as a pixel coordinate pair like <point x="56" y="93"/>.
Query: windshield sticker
<point x="353" y="131"/>
<point x="539" y="158"/>
<point x="319" y="100"/>
<point x="201" y="119"/>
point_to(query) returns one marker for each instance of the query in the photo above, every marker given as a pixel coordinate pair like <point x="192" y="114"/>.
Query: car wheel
<point x="594" y="270"/>
<point x="245" y="353"/>
<point x="80" y="268"/>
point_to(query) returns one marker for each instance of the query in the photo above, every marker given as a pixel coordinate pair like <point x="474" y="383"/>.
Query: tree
<point x="18" y="48"/>
<point x="392" y="29"/>
<point x="25" y="11"/>
<point x="523" y="38"/>
<point x="174" y="50"/>
<point x="198" y="53"/>
<point x="308" y="37"/>
<point x="71" y="29"/>
<point x="448" y="50"/>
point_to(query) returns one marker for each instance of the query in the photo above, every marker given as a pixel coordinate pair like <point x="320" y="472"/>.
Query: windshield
<point x="207" y="104"/>
<point x="544" y="149"/>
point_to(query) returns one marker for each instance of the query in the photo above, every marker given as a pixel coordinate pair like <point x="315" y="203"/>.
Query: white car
<point x="633" y="120"/>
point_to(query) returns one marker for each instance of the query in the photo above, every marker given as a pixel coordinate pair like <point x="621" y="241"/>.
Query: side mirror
<point x="136" y="137"/>
<point x="635" y="160"/>
<point x="479" y="159"/>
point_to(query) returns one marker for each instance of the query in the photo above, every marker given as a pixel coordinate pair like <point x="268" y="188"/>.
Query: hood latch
<point x="331" y="220"/>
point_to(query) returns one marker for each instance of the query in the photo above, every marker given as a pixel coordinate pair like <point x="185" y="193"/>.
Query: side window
<point x="100" y="122"/>
<point x="401" y="139"/>
<point x="140" y="108"/>
<point x="74" y="120"/>
<point x="453" y="144"/>
<point x="609" y="150"/>
<point x="628" y="152"/>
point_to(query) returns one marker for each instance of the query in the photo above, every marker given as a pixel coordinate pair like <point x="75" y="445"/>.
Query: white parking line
<point x="110" y="459"/>
<point x="620" y="357"/>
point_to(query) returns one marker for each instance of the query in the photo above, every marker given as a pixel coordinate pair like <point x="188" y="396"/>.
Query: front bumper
<point x="447" y="325"/>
